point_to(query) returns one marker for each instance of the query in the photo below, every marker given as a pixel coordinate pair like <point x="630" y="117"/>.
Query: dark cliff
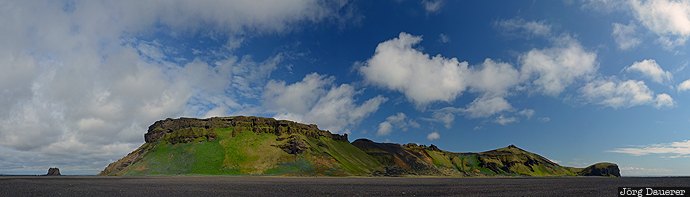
<point x="256" y="124"/>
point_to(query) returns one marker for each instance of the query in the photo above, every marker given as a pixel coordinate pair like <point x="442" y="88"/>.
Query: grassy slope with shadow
<point x="265" y="146"/>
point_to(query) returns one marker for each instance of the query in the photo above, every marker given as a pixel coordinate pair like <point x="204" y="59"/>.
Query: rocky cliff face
<point x="204" y="128"/>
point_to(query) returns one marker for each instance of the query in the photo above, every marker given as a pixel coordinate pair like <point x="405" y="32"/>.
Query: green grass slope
<point x="244" y="150"/>
<point x="512" y="160"/>
<point x="412" y="159"/>
<point x="598" y="169"/>
<point x="265" y="146"/>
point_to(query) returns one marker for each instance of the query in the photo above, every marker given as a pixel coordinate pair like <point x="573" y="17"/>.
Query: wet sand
<point x="323" y="186"/>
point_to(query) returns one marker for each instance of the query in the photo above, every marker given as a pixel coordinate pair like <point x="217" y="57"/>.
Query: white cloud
<point x="504" y="120"/>
<point x="445" y="115"/>
<point x="528" y="113"/>
<point x="59" y="88"/>
<point x="493" y="78"/>
<point x="385" y="128"/>
<point x="625" y="36"/>
<point x="622" y="94"/>
<point x="521" y="27"/>
<point x="614" y="93"/>
<point x="481" y="107"/>
<point x="298" y="97"/>
<point x="432" y="6"/>
<point x="663" y="101"/>
<point x="556" y="68"/>
<point x="249" y="76"/>
<point x="673" y="149"/>
<point x="670" y="19"/>
<point x="399" y="121"/>
<point x="684" y="86"/>
<point x="397" y="66"/>
<point x="487" y="106"/>
<point x="433" y="136"/>
<point x="651" y="69"/>
<point x="317" y="100"/>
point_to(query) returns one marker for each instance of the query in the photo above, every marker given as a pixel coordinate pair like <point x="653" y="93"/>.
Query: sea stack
<point x="53" y="172"/>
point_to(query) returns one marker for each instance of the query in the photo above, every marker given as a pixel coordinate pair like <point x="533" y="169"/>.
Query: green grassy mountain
<point x="264" y="146"/>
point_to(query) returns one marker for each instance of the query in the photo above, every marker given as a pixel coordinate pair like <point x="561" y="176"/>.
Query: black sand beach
<point x="323" y="186"/>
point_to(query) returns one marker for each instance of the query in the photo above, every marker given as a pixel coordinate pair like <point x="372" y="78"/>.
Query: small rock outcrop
<point x="434" y="148"/>
<point x="601" y="169"/>
<point x="293" y="146"/>
<point x="53" y="172"/>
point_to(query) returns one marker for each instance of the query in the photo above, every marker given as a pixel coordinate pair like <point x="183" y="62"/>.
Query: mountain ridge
<point x="247" y="145"/>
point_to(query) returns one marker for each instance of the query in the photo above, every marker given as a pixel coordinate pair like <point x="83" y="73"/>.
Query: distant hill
<point x="243" y="145"/>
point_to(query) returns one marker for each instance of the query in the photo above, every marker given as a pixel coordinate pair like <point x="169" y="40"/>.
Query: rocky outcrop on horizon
<point x="601" y="169"/>
<point x="53" y="172"/>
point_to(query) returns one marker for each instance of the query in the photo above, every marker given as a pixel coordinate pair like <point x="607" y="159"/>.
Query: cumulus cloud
<point x="298" y="97"/>
<point x="493" y="78"/>
<point x="663" y="101"/>
<point x="487" y="106"/>
<point x="670" y="19"/>
<point x="396" y="65"/>
<point x="399" y="121"/>
<point x="623" y="94"/>
<point x="522" y="27"/>
<point x="433" y="136"/>
<point x="71" y="67"/>
<point x="625" y="36"/>
<point x="553" y="69"/>
<point x="649" y="68"/>
<point x="684" y="86"/>
<point x="671" y="150"/>
<point x="316" y="99"/>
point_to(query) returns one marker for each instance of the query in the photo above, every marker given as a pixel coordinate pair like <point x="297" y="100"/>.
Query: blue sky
<point x="578" y="82"/>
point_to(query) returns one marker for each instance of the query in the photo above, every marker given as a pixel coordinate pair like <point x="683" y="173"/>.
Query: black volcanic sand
<point x="322" y="186"/>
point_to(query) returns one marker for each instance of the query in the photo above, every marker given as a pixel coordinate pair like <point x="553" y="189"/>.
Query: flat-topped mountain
<point x="243" y="145"/>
